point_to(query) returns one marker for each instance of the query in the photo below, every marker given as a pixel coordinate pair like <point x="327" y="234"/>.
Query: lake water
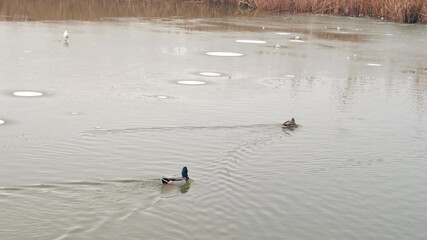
<point x="129" y="100"/>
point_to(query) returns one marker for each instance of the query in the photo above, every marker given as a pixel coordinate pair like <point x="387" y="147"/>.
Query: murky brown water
<point x="127" y="101"/>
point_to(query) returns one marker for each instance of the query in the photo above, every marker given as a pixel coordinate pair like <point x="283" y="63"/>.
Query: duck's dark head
<point x="293" y="120"/>
<point x="184" y="172"/>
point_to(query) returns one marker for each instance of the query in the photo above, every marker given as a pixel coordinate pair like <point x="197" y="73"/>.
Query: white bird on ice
<point x="66" y="36"/>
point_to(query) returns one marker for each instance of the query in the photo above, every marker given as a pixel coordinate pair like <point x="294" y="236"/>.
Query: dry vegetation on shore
<point x="406" y="11"/>
<point x="95" y="10"/>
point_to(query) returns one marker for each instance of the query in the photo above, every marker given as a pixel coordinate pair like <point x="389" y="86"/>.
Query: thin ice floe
<point x="374" y="64"/>
<point x="224" y="54"/>
<point x="250" y="41"/>
<point x="27" y="94"/>
<point x="296" y="40"/>
<point x="210" y="74"/>
<point x="191" y="82"/>
<point x="283" y="33"/>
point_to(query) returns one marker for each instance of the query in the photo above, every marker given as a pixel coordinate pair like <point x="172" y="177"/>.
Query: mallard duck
<point x="289" y="124"/>
<point x="177" y="181"/>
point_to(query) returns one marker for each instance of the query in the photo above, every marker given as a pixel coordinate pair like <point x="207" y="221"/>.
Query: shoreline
<point x="409" y="11"/>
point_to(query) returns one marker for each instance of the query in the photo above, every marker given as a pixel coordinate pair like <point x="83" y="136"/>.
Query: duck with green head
<point x="177" y="181"/>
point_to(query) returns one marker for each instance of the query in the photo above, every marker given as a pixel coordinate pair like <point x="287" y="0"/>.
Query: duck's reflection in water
<point x="169" y="189"/>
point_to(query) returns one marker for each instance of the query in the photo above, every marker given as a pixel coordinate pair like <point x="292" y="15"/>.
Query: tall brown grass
<point x="89" y="10"/>
<point x="406" y="11"/>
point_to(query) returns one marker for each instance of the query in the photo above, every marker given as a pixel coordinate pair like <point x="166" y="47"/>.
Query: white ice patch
<point x="374" y="64"/>
<point x="224" y="54"/>
<point x="283" y="33"/>
<point x="210" y="74"/>
<point x="296" y="40"/>
<point x="162" y="97"/>
<point x="190" y="82"/>
<point x="289" y="75"/>
<point x="1" y="122"/>
<point x="28" y="94"/>
<point x="250" y="41"/>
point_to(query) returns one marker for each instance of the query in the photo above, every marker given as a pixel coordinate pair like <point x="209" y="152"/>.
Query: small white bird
<point x="66" y="36"/>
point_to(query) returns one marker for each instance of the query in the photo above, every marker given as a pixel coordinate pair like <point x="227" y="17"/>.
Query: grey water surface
<point x="83" y="161"/>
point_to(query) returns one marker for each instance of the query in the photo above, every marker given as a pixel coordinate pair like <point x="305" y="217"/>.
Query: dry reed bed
<point x="406" y="11"/>
<point x="93" y="10"/>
